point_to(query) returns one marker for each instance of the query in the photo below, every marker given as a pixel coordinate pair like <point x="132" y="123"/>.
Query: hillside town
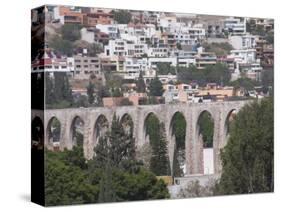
<point x="138" y="105"/>
<point x="121" y="57"/>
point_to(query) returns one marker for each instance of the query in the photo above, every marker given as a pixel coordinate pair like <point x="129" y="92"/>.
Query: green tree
<point x="220" y="49"/>
<point x="107" y="192"/>
<point x="206" y="128"/>
<point x="179" y="131"/>
<point x="141" y="88"/>
<point x="155" y="87"/>
<point x="159" y="161"/>
<point x="61" y="45"/>
<point x="248" y="158"/>
<point x="218" y="73"/>
<point x="123" y="177"/>
<point x="66" y="183"/>
<point x="244" y="83"/>
<point x="90" y="92"/>
<point x="58" y="91"/>
<point x="270" y="37"/>
<point x="122" y="16"/>
<point x="71" y="32"/>
<point x="165" y="68"/>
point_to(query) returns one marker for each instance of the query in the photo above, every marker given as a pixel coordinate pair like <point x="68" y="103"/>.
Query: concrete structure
<point x="97" y="120"/>
<point x="235" y="26"/>
<point x="86" y="65"/>
<point x="88" y="34"/>
<point x="67" y="15"/>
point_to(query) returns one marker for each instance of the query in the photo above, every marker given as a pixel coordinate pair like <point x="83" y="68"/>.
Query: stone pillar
<point x="218" y="125"/>
<point x="190" y="141"/>
<point x="64" y="131"/>
<point x="87" y="147"/>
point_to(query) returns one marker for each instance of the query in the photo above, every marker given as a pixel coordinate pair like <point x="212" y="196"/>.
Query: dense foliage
<point x="58" y="93"/>
<point x="114" y="174"/>
<point x="159" y="161"/>
<point x="122" y="16"/>
<point x="165" y="68"/>
<point x="218" y="73"/>
<point x="206" y="128"/>
<point x="179" y="131"/>
<point x="220" y="49"/>
<point x="155" y="87"/>
<point x="141" y="87"/>
<point x="248" y="156"/>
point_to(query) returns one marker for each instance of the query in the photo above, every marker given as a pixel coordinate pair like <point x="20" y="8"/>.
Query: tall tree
<point x="90" y="92"/>
<point x="155" y="87"/>
<point x="122" y="16"/>
<point x="117" y="147"/>
<point x="247" y="159"/>
<point x="159" y="161"/>
<point x="141" y="88"/>
<point x="71" y="32"/>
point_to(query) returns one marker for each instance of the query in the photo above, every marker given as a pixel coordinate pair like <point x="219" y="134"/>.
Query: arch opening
<point x="77" y="132"/>
<point x="127" y="124"/>
<point x="157" y="149"/>
<point x="100" y="128"/>
<point x="37" y="133"/>
<point x="178" y="135"/>
<point x="205" y="134"/>
<point x="54" y="132"/>
<point x="228" y="123"/>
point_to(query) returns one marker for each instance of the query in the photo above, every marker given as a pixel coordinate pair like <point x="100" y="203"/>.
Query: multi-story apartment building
<point x="235" y="26"/>
<point x="158" y="52"/>
<point x="133" y="66"/>
<point x="86" y="66"/>
<point x="99" y="17"/>
<point x="67" y="15"/>
<point x="244" y="55"/>
<point x="243" y="42"/>
<point x="112" y="63"/>
<point x="179" y="93"/>
<point x="204" y="59"/>
<point x="121" y="47"/>
<point x="110" y="29"/>
<point x="116" y="47"/>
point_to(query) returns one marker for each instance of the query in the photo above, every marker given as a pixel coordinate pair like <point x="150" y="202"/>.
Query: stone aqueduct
<point x="219" y="111"/>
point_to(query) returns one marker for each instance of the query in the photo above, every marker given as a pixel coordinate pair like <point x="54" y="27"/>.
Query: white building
<point x="88" y="34"/>
<point x="244" y="55"/>
<point x="235" y="26"/>
<point x="116" y="47"/>
<point x="157" y="52"/>
<point x="121" y="47"/>
<point x="243" y="42"/>
<point x="110" y="29"/>
<point x="48" y="61"/>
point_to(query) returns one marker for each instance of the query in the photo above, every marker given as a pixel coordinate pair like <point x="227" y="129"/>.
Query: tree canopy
<point x="114" y="173"/>
<point x="155" y="87"/>
<point x="122" y="16"/>
<point x="217" y="73"/>
<point x="247" y="159"/>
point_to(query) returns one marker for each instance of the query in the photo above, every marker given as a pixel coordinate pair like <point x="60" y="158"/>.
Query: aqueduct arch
<point x="92" y="117"/>
<point x="205" y="143"/>
<point x="177" y="139"/>
<point x="37" y="133"/>
<point x="53" y="133"/>
<point x="77" y="131"/>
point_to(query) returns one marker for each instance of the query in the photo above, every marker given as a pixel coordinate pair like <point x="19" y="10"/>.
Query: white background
<point x="15" y="104"/>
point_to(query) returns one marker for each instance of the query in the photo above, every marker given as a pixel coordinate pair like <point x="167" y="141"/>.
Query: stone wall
<point x="164" y="112"/>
